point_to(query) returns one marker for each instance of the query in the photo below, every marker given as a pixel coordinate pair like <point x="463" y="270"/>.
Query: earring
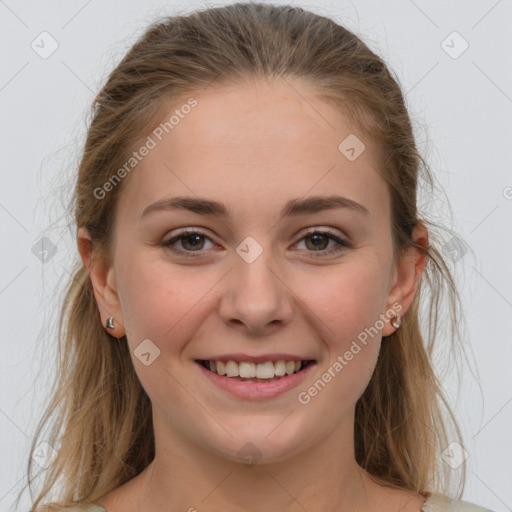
<point x="110" y="323"/>
<point x="396" y="323"/>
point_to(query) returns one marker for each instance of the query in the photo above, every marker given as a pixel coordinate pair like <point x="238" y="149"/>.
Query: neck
<point x="324" y="476"/>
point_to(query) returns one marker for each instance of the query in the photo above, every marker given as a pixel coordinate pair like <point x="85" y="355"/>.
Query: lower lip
<point x="257" y="390"/>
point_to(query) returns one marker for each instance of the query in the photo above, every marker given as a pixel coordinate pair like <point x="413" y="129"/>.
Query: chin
<point x="262" y="442"/>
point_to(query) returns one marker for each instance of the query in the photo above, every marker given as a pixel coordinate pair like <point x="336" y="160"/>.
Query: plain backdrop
<point x="452" y="60"/>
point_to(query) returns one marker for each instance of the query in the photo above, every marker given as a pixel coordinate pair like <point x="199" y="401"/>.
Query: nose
<point x="256" y="298"/>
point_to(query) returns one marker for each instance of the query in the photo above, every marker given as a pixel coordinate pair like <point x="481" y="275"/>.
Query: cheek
<point x="164" y="303"/>
<point x="348" y="300"/>
<point x="156" y="297"/>
<point x="346" y="306"/>
<point x="160" y="304"/>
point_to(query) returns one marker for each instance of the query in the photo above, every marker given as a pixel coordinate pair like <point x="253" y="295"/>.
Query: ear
<point x="103" y="282"/>
<point x="407" y="275"/>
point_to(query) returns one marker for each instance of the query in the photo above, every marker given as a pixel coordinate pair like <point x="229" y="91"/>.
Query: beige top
<point x="435" y="502"/>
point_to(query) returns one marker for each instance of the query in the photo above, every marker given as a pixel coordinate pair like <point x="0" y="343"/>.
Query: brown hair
<point x="98" y="401"/>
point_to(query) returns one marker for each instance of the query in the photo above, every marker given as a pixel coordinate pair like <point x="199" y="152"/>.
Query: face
<point x="312" y="285"/>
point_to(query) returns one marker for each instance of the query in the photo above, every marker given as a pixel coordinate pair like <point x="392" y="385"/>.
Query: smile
<point x="256" y="381"/>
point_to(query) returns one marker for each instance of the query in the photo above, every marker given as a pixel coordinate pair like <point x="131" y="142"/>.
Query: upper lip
<point x="262" y="358"/>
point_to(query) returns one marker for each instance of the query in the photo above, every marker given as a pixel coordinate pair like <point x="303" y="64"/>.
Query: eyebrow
<point x="204" y="206"/>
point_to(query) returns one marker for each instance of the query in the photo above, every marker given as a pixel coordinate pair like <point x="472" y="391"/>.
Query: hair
<point x="97" y="401"/>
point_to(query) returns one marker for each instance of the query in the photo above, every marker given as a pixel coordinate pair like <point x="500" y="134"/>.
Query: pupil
<point x="317" y="238"/>
<point x="195" y="238"/>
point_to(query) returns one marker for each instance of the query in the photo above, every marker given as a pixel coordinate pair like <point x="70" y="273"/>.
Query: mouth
<point x="258" y="380"/>
<point x="247" y="371"/>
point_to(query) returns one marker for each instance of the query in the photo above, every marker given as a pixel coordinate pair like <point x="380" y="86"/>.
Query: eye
<point x="192" y="241"/>
<point x="320" y="240"/>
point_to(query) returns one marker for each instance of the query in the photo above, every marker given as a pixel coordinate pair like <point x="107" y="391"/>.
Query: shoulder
<point x="437" y="502"/>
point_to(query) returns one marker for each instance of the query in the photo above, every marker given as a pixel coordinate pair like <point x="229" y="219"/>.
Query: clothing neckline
<point x="426" y="503"/>
<point x="435" y="501"/>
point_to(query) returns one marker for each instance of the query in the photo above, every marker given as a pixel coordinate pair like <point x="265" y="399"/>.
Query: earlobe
<point x="408" y="274"/>
<point x="102" y="276"/>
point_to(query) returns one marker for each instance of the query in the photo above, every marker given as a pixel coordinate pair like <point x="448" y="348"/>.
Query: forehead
<point x="252" y="145"/>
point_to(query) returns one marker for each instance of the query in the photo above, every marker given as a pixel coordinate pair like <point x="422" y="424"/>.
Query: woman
<point x="243" y="330"/>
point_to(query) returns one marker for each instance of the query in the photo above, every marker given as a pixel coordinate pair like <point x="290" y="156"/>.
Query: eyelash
<point x="342" y="244"/>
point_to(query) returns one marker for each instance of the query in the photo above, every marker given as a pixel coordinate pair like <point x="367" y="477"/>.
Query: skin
<point x="253" y="147"/>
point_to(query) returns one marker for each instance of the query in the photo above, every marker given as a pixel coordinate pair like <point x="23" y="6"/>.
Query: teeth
<point x="263" y="371"/>
<point x="249" y="370"/>
<point x="220" y="367"/>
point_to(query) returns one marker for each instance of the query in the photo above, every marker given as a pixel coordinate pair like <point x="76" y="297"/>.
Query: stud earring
<point x="110" y="323"/>
<point x="396" y="322"/>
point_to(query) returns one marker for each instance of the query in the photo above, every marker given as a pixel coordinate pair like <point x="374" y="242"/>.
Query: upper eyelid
<point x="302" y="233"/>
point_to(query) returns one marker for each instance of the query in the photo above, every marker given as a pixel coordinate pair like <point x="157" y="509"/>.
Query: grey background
<point x="461" y="106"/>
